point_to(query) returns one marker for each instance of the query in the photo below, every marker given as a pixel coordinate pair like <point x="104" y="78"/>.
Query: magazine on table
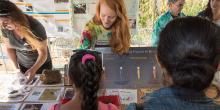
<point x="45" y="94"/>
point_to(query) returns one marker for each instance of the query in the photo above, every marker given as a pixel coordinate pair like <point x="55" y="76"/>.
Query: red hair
<point x="120" y="40"/>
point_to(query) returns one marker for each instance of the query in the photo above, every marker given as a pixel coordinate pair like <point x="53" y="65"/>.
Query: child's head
<point x="175" y="6"/>
<point x="85" y="70"/>
<point x="189" y="52"/>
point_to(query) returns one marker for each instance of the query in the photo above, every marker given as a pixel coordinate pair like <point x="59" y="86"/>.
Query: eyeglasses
<point x="179" y="5"/>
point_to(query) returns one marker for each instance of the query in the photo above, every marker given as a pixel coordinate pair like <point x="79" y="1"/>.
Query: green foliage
<point x="193" y="7"/>
<point x="150" y="10"/>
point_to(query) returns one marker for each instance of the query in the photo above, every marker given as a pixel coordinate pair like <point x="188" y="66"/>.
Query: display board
<point x="137" y="69"/>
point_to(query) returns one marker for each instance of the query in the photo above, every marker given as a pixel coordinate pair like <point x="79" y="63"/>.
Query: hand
<point x="20" y="76"/>
<point x="31" y="74"/>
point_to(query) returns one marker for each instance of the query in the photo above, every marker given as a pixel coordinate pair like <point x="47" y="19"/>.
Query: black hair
<point x="86" y="77"/>
<point x="189" y="50"/>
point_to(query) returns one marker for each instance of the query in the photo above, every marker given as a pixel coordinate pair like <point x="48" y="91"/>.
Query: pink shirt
<point x="102" y="106"/>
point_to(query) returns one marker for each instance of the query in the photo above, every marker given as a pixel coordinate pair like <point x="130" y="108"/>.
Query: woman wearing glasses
<point x="25" y="40"/>
<point x="175" y="8"/>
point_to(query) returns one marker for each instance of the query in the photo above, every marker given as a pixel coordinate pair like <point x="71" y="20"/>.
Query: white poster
<point x="52" y="14"/>
<point x="42" y="5"/>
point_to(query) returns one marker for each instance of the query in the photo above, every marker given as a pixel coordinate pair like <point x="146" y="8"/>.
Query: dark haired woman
<point x="174" y="10"/>
<point x="188" y="53"/>
<point x="25" y="40"/>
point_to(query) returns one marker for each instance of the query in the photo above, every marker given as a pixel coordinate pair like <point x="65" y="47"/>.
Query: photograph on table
<point x="32" y="107"/>
<point x="49" y="94"/>
<point x="45" y="94"/>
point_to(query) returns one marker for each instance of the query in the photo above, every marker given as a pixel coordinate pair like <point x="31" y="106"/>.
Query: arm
<point x="11" y="52"/>
<point x="85" y="42"/>
<point x="42" y="56"/>
<point x="155" y="34"/>
<point x="89" y="36"/>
